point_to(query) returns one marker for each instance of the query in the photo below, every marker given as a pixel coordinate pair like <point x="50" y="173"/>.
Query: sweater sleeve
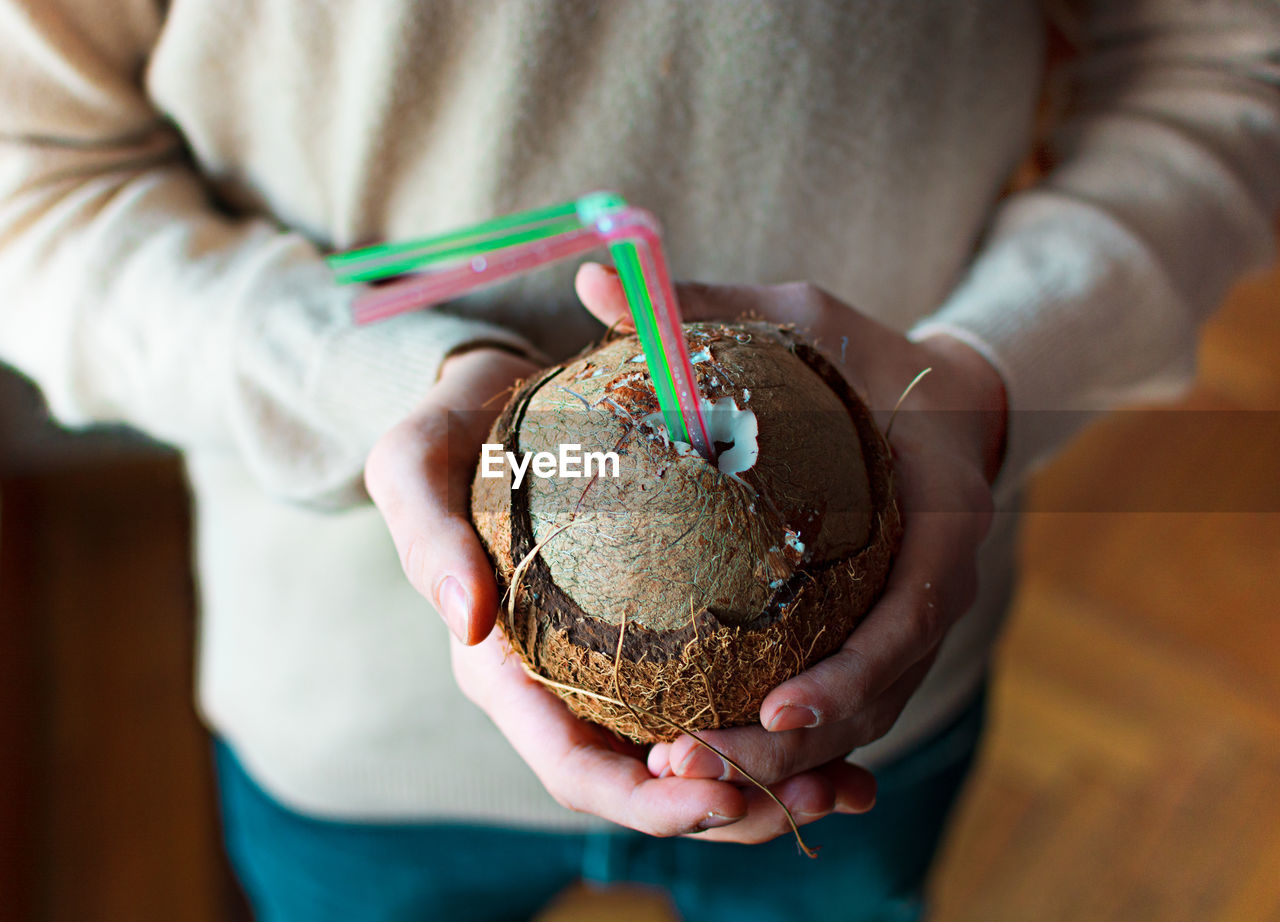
<point x="1090" y="287"/>
<point x="128" y="297"/>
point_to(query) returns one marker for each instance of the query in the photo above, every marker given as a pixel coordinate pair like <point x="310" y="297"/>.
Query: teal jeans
<point x="872" y="867"/>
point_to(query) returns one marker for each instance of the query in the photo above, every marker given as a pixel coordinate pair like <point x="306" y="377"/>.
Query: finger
<point x="600" y="291"/>
<point x="771" y="757"/>
<point x="852" y="790"/>
<point x="574" y="761"/>
<point x="946" y="512"/>
<point x="810" y="797"/>
<point x="767" y="757"/>
<point x="659" y="760"/>
<point x="419" y="476"/>
<point x="411" y="477"/>
<point x="855" y="787"/>
<point x="932" y="583"/>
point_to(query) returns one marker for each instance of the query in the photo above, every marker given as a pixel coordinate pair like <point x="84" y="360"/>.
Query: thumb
<point x="419" y="477"/>
<point x="600" y="291"/>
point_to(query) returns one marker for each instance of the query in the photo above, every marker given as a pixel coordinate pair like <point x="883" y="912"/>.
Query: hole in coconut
<point x="733" y="431"/>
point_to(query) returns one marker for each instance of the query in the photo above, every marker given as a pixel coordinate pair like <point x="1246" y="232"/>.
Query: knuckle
<point x="563" y="780"/>
<point x="565" y="798"/>
<point x="774" y="763"/>
<point x="807" y="302"/>
<point x="698" y="300"/>
<point x="415" y="562"/>
<point x="566" y="795"/>
<point x="694" y="291"/>
<point x="875" y="722"/>
<point x="658" y="832"/>
<point x="864" y="729"/>
<point x="467" y="684"/>
<point x="928" y="624"/>
<point x="856" y="691"/>
<point x="635" y="817"/>
<point x="399" y="451"/>
<point x="433" y="445"/>
<point x="379" y="465"/>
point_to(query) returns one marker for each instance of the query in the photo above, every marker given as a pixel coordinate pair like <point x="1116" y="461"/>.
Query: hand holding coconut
<point x="853" y="696"/>
<point x="418" y="475"/>
<point x="943" y="463"/>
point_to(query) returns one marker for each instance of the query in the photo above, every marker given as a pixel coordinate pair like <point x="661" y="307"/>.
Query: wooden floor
<point x="114" y="817"/>
<point x="1132" y="772"/>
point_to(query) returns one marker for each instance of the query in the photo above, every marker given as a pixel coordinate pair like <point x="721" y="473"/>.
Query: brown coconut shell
<point x="681" y="591"/>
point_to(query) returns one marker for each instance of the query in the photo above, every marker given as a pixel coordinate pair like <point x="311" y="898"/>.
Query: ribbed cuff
<point x="368" y="378"/>
<point x="1077" y="317"/>
<point x="312" y="391"/>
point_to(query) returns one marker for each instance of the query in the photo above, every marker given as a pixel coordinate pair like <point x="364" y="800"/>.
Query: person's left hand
<point x="947" y="443"/>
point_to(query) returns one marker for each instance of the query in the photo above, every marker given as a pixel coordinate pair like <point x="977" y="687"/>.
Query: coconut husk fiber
<point x="677" y="588"/>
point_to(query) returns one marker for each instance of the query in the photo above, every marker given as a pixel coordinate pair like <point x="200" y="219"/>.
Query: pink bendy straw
<point x="437" y="269"/>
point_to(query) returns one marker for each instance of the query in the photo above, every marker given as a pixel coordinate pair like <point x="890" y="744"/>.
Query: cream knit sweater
<point x="171" y="173"/>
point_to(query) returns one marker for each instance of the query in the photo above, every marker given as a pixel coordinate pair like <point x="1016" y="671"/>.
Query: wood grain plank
<point x="128" y="827"/>
<point x="19" y="693"/>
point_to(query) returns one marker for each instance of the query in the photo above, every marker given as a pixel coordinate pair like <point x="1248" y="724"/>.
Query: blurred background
<point x="1132" y="771"/>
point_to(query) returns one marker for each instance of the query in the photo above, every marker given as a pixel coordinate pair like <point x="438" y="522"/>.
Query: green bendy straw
<point x="626" y="259"/>
<point x="385" y="260"/>
<point x="450" y="264"/>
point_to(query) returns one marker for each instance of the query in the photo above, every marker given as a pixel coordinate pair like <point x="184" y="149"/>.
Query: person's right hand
<point x="419" y="476"/>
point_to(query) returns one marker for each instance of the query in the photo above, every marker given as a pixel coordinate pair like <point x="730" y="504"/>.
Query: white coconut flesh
<point x="728" y="425"/>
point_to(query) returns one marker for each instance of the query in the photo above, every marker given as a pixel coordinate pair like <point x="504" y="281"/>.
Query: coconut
<point x="679" y="592"/>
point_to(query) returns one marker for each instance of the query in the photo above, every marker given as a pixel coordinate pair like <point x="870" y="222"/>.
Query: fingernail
<point x="601" y="267"/>
<point x="714" y="820"/>
<point x="702" y="763"/>
<point x="656" y="761"/>
<point x="793" y="717"/>
<point x="456" y="606"/>
<point x="848" y="806"/>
